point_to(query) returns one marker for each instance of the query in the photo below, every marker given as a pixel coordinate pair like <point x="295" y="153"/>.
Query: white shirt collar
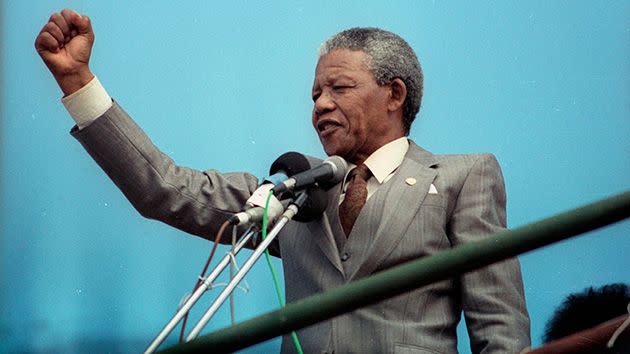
<point x="386" y="159"/>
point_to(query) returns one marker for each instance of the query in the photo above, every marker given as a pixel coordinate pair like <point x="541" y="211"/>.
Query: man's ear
<point x="398" y="93"/>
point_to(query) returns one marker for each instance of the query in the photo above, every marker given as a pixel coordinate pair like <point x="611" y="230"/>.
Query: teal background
<point x="544" y="85"/>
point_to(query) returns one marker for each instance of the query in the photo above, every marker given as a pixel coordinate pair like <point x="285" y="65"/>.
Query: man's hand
<point x="65" y="44"/>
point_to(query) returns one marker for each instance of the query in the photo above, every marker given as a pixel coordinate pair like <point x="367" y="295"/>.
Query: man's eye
<point x="316" y="96"/>
<point x="340" y="87"/>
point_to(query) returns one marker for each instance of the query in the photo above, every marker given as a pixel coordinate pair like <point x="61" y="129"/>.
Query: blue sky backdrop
<point x="545" y="86"/>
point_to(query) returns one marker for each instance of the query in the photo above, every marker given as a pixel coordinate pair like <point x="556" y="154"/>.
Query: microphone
<point x="314" y="206"/>
<point x="255" y="214"/>
<point x="332" y="171"/>
<point x="292" y="163"/>
<point x="259" y="197"/>
<point x="311" y="209"/>
<point x="287" y="164"/>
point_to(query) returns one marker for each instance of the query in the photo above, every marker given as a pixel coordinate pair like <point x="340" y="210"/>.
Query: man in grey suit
<point x="400" y="202"/>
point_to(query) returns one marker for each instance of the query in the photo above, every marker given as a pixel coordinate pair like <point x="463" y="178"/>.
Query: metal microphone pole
<point x="190" y="302"/>
<point x="288" y="215"/>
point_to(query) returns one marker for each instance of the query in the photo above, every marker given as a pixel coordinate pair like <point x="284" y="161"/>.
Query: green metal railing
<point x="411" y="275"/>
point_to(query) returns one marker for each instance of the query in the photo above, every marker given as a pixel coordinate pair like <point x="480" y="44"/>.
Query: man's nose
<point x="324" y="104"/>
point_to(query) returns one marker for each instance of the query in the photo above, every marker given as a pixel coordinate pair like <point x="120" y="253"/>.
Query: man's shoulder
<point x="457" y="161"/>
<point x="466" y="160"/>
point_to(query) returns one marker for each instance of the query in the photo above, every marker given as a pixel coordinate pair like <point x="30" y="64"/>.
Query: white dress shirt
<point x="383" y="163"/>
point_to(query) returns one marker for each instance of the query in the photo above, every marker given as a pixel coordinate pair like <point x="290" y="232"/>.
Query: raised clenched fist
<point x="65" y="44"/>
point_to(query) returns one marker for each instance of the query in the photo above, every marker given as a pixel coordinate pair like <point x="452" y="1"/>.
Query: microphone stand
<point x="288" y="215"/>
<point x="190" y="301"/>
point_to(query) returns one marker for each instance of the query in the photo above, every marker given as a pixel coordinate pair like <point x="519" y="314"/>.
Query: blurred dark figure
<point x="590" y="312"/>
<point x="587" y="309"/>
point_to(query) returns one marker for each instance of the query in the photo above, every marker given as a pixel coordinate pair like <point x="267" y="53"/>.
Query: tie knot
<point x="361" y="171"/>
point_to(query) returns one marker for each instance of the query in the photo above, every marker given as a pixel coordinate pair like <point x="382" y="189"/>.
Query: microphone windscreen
<point x="314" y="206"/>
<point x="290" y="163"/>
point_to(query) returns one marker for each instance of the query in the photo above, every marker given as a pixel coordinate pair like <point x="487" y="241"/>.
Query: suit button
<point x="345" y="256"/>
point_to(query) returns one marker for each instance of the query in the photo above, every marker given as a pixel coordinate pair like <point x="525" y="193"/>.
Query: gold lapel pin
<point x="410" y="181"/>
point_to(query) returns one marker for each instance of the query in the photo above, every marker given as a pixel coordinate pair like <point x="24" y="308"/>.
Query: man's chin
<point x="336" y="150"/>
<point x="331" y="149"/>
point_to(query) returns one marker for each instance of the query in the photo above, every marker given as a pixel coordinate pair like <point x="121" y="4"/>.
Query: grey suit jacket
<point x="400" y="222"/>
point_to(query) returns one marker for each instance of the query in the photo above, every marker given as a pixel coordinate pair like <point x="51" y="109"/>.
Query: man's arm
<point x="492" y="297"/>
<point x="194" y="201"/>
<point x="191" y="200"/>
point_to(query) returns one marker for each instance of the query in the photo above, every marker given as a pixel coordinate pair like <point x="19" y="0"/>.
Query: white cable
<point x="238" y="269"/>
<point x="232" y="317"/>
<point x="619" y="330"/>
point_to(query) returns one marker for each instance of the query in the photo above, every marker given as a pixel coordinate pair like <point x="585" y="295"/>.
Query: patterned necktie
<point x="356" y="196"/>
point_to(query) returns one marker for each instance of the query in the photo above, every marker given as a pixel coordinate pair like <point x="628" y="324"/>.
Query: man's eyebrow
<point x="340" y="76"/>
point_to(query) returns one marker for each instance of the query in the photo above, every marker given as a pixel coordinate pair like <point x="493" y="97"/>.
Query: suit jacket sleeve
<point x="197" y="202"/>
<point x="492" y="297"/>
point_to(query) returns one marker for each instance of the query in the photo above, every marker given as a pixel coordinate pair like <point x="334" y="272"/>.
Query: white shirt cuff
<point x="88" y="103"/>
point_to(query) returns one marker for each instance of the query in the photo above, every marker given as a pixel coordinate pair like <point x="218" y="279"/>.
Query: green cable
<point x="296" y="342"/>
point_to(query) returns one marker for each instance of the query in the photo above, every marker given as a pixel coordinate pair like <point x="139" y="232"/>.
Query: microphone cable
<point x="203" y="273"/>
<point x="279" y="295"/>
<point x="296" y="342"/>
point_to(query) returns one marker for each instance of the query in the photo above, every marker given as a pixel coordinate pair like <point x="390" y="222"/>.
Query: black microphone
<point x="283" y="167"/>
<point x="332" y="171"/>
<point x="314" y="206"/>
<point x="290" y="164"/>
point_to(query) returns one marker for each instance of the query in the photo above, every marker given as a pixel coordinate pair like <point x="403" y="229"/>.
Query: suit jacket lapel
<point x="326" y="239"/>
<point x="401" y="203"/>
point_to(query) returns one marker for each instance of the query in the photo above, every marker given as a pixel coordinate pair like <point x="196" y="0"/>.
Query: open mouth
<point x="327" y="127"/>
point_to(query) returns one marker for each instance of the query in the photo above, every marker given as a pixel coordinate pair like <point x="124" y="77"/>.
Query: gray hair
<point x="389" y="57"/>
